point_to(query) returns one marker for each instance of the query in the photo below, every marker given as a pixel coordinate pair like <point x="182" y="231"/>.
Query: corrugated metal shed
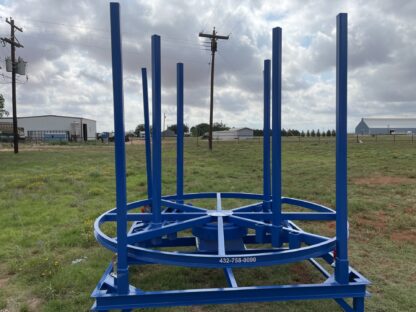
<point x="390" y="122"/>
<point x="233" y="133"/>
<point x="168" y="133"/>
<point x="386" y="125"/>
<point x="76" y="128"/>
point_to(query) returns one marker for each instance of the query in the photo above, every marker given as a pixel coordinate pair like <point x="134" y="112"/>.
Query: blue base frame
<point x="146" y="239"/>
<point x="107" y="297"/>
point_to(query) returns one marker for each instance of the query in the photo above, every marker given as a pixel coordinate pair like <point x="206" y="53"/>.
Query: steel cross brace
<point x="107" y="298"/>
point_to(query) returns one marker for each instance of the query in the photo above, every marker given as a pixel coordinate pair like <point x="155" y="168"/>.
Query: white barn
<point x="53" y="126"/>
<point x="233" y="134"/>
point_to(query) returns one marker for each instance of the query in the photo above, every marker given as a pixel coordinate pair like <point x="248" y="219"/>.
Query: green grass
<point x="49" y="199"/>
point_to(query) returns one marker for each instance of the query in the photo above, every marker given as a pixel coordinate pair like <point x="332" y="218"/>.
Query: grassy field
<point x="49" y="199"/>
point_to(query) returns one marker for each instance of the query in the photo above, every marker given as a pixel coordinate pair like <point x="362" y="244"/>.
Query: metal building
<point x="233" y="134"/>
<point x="168" y="133"/>
<point x="386" y="126"/>
<point x="54" y="127"/>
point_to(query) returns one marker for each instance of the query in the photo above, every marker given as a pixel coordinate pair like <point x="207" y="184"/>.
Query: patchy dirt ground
<point x="377" y="220"/>
<point x="3" y="282"/>
<point x="34" y="304"/>
<point x="405" y="236"/>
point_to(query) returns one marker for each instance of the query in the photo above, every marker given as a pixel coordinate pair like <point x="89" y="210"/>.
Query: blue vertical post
<point x="358" y="304"/>
<point x="147" y="133"/>
<point x="120" y="153"/>
<point x="266" y="135"/>
<point x="341" y="261"/>
<point x="276" y="136"/>
<point x="179" y="133"/>
<point x="156" y="131"/>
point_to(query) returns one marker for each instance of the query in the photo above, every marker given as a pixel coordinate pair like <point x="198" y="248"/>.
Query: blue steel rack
<point x="220" y="238"/>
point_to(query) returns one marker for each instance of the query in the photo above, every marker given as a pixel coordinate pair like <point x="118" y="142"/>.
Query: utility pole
<point x="163" y="128"/>
<point x="13" y="45"/>
<point x="214" y="37"/>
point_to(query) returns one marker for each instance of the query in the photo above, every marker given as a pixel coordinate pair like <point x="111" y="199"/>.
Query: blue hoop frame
<point x="152" y="231"/>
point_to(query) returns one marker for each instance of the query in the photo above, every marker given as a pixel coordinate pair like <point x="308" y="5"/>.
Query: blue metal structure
<point x="147" y="133"/>
<point x="276" y="138"/>
<point x="180" y="134"/>
<point x="266" y="136"/>
<point x="221" y="238"/>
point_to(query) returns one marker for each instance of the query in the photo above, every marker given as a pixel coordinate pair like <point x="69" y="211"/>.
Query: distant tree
<point x="203" y="128"/>
<point x="130" y="133"/>
<point x="219" y="126"/>
<point x="318" y="133"/>
<point x="258" y="132"/>
<point x="174" y="128"/>
<point x="283" y="132"/>
<point x="138" y="129"/>
<point x="302" y="134"/>
<point x="293" y="132"/>
<point x="200" y="129"/>
<point x="313" y="133"/>
<point x="3" y="112"/>
<point x="323" y="133"/>
<point x="333" y="133"/>
<point x="328" y="133"/>
<point x="308" y="134"/>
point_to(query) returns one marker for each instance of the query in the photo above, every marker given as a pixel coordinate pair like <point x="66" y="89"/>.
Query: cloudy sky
<point x="67" y="47"/>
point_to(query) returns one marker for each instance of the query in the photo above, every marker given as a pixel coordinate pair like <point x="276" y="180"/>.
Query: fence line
<point x="38" y="137"/>
<point x="352" y="138"/>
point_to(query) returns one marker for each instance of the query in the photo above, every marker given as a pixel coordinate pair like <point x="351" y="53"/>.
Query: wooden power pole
<point x="13" y="45"/>
<point x="214" y="37"/>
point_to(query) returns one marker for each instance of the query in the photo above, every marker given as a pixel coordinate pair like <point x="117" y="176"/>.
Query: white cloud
<point x="67" y="45"/>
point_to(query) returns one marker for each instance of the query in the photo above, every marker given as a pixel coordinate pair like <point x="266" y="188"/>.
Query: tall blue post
<point x="147" y="133"/>
<point x="120" y="152"/>
<point x="341" y="261"/>
<point x="156" y="131"/>
<point x="179" y="132"/>
<point x="276" y="139"/>
<point x="266" y="135"/>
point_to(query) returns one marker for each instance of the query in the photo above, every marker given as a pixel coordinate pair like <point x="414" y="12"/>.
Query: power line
<point x="176" y="40"/>
<point x="168" y="40"/>
<point x="67" y="25"/>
